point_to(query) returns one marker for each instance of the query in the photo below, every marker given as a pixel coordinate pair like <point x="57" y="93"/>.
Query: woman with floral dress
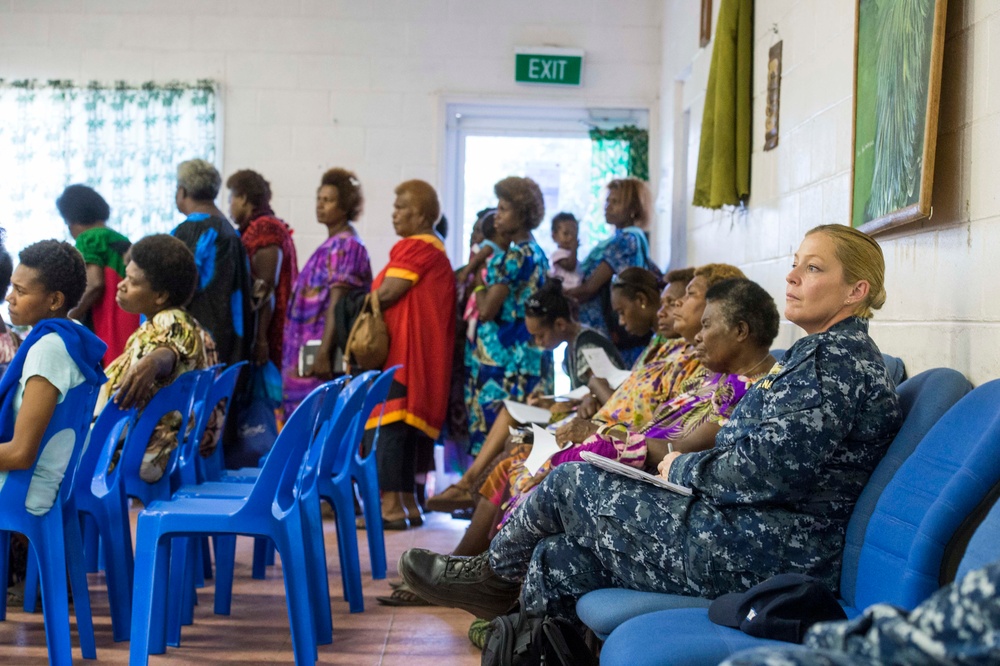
<point x="339" y="265"/>
<point x="502" y="361"/>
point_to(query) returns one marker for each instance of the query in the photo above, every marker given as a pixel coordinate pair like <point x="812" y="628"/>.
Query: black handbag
<point x="519" y="640"/>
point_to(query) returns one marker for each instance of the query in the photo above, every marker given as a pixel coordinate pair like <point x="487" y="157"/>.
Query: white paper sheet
<point x="632" y="472"/>
<point x="523" y="413"/>
<point x="579" y="393"/>
<point x="602" y="366"/>
<point x="544" y="447"/>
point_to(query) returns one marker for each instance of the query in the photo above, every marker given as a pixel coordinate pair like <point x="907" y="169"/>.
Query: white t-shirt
<point x="49" y="359"/>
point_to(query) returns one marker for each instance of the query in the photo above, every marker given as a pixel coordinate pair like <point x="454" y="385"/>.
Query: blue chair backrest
<point x="286" y="456"/>
<point x="222" y="389"/>
<point x="104" y="436"/>
<point x="187" y="452"/>
<point x="924" y="400"/>
<point x="73" y="413"/>
<point x="376" y="401"/>
<point x="333" y="455"/>
<point x="952" y="469"/>
<point x="177" y="396"/>
<point x="984" y="546"/>
<point x="336" y="429"/>
<point x="897" y="371"/>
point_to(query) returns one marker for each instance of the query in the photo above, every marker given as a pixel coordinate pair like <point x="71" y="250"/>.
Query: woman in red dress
<point x="417" y="293"/>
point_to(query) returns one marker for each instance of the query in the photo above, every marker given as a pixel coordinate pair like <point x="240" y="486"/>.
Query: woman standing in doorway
<point x="503" y="361"/>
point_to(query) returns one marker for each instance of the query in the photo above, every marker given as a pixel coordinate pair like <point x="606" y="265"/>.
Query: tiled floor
<point x="257" y="630"/>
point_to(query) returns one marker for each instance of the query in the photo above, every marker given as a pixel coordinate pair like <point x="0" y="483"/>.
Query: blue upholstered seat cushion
<point x="603" y="610"/>
<point x="680" y="637"/>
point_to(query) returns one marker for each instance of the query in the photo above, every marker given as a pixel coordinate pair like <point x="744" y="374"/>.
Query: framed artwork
<point x="773" y="97"/>
<point x="897" y="91"/>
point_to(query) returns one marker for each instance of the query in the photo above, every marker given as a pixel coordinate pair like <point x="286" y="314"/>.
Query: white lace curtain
<point x="124" y="141"/>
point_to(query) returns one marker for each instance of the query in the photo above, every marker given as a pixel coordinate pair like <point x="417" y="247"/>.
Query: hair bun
<point x="553" y="285"/>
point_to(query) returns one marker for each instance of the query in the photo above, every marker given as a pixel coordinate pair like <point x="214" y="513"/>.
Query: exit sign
<point x="562" y="67"/>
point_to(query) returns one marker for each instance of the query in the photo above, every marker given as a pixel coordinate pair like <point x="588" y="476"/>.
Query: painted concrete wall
<point x="310" y="84"/>
<point x="943" y="307"/>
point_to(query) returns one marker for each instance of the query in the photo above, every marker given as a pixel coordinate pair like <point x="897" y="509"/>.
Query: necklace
<point x="748" y="373"/>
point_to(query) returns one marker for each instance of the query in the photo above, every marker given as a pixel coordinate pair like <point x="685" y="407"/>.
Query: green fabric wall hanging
<point x="723" y="176"/>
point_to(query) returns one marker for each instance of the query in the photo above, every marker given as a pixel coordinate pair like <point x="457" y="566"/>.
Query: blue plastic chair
<point x="184" y="552"/>
<point x="100" y="497"/>
<point x="363" y="469"/>
<point x="333" y="484"/>
<point x="951" y="471"/>
<point x="53" y="534"/>
<point x="336" y="427"/>
<point x="271" y="510"/>
<point x="342" y="432"/>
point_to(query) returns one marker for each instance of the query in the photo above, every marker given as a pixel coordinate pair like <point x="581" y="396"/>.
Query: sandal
<point x="398" y="524"/>
<point x="453" y="497"/>
<point x="403" y="596"/>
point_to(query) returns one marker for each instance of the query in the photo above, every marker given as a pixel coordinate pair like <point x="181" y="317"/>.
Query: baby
<point x="565" y="231"/>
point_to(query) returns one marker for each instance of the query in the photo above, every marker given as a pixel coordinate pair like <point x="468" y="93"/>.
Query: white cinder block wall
<point x="944" y="302"/>
<point x="310" y="84"/>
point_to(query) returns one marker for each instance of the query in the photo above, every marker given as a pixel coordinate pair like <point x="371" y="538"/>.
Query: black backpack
<point x="519" y="640"/>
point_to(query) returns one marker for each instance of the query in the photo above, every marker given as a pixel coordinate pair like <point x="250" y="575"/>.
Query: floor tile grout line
<point x="385" y="643"/>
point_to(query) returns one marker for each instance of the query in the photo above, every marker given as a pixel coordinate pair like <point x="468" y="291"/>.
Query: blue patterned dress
<point x="502" y="360"/>
<point x="627" y="248"/>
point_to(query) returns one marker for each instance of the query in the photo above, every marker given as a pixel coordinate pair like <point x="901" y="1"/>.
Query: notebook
<point x="618" y="468"/>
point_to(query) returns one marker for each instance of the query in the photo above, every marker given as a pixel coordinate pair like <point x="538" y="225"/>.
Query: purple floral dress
<point x="342" y="260"/>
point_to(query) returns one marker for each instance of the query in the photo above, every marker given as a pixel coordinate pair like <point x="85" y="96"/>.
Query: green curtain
<point x="723" y="176"/>
<point x="615" y="153"/>
<point x="123" y="140"/>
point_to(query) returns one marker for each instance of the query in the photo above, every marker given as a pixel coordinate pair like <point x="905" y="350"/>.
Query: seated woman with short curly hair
<point x="159" y="281"/>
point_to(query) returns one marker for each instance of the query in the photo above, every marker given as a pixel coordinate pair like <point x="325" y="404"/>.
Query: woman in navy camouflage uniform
<point x="774" y="495"/>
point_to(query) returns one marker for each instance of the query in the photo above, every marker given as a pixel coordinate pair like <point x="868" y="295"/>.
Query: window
<point x="124" y="141"/>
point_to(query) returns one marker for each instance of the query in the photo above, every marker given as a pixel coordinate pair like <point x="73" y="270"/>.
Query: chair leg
<point x="373" y="521"/>
<point x="78" y="581"/>
<point x="118" y="571"/>
<point x="319" y="582"/>
<point x="119" y="565"/>
<point x="293" y="565"/>
<point x="180" y="598"/>
<point x="269" y="555"/>
<point x="91" y="542"/>
<point x="4" y="569"/>
<point x="55" y="597"/>
<point x="225" y="561"/>
<point x="148" y="620"/>
<point x="30" y="603"/>
<point x="160" y="585"/>
<point x="192" y="568"/>
<point x="350" y="563"/>
<point x="206" y="560"/>
<point x="261" y="548"/>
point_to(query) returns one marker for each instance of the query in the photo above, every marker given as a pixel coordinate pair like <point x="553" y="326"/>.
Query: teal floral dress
<point x="502" y="360"/>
